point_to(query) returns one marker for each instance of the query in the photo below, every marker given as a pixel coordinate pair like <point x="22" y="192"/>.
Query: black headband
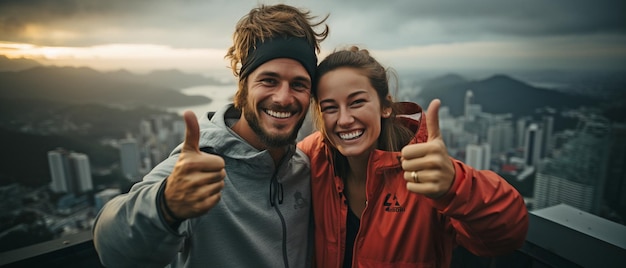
<point x="280" y="47"/>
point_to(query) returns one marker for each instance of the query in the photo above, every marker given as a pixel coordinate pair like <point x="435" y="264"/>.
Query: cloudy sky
<point x="409" y="35"/>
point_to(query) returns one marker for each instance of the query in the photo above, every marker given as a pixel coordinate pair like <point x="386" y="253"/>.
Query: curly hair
<point x="265" y="22"/>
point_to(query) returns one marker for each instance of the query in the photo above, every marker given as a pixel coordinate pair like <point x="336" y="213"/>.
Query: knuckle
<point x="186" y="164"/>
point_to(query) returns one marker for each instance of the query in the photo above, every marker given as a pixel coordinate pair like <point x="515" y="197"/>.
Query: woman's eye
<point x="328" y="109"/>
<point x="358" y="102"/>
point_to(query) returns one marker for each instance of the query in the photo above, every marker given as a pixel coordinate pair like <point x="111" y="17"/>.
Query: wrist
<point x="168" y="215"/>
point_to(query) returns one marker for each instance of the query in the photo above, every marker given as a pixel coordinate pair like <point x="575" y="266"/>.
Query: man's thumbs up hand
<point x="427" y="167"/>
<point x="195" y="185"/>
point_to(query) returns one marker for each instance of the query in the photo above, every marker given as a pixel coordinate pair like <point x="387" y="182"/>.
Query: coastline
<point x="220" y="95"/>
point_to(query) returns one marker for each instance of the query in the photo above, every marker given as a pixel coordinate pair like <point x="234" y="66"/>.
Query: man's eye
<point x="300" y="86"/>
<point x="268" y="81"/>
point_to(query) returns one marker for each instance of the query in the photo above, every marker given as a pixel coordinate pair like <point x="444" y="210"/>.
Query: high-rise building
<point x="70" y="172"/>
<point x="82" y="172"/>
<point x="551" y="190"/>
<point x="500" y="137"/>
<point x="547" y="127"/>
<point x="478" y="156"/>
<point x="615" y="188"/>
<point x="145" y="130"/>
<point x="577" y="176"/>
<point x="100" y="198"/>
<point x="59" y="171"/>
<point x="520" y="132"/>
<point x="130" y="159"/>
<point x="532" y="145"/>
<point x="469" y="95"/>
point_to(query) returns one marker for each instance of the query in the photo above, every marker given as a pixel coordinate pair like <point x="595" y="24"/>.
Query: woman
<point x="385" y="191"/>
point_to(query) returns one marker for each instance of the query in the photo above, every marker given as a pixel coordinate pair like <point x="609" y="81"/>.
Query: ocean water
<point x="221" y="95"/>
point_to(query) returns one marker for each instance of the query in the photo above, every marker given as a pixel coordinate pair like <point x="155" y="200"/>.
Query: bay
<point x="220" y="95"/>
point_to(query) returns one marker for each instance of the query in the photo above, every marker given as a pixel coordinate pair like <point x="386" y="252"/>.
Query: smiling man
<point x="236" y="193"/>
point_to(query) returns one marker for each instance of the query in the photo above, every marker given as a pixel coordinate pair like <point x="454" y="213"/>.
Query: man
<point x="236" y="193"/>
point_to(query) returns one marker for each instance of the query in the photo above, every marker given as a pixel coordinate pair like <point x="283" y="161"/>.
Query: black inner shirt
<point x="352" y="228"/>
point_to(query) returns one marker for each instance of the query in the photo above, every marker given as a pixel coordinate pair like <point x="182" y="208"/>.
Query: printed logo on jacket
<point x="391" y="203"/>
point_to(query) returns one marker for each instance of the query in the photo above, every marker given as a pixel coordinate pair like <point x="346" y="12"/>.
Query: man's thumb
<point x="192" y="132"/>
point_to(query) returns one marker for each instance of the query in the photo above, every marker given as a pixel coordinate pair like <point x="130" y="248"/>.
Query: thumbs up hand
<point x="195" y="185"/>
<point x="428" y="169"/>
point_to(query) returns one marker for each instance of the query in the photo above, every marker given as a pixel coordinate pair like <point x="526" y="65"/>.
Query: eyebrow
<point x="352" y="95"/>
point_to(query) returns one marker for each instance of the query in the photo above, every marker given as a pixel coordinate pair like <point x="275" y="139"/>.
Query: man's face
<point x="277" y="101"/>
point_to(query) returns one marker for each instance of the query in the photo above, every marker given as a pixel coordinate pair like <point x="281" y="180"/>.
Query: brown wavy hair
<point x="393" y="135"/>
<point x="265" y="22"/>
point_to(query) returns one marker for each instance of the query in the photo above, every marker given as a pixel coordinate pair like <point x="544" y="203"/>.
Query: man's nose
<point x="283" y="95"/>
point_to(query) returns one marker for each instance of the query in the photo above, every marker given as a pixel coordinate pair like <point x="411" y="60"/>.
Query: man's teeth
<point x="278" y="114"/>
<point x="351" y="135"/>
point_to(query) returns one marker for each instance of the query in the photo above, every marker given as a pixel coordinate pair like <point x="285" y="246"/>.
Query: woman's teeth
<point x="351" y="135"/>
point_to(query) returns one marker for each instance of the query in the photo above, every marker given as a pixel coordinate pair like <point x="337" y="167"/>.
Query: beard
<point x="270" y="140"/>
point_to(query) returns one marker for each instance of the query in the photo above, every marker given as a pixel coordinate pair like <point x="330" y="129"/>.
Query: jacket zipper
<point x="276" y="194"/>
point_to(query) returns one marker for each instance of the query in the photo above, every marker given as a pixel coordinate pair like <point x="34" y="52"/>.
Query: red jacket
<point x="481" y="212"/>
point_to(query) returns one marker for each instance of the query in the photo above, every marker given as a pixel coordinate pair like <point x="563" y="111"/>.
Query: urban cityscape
<point x="581" y="167"/>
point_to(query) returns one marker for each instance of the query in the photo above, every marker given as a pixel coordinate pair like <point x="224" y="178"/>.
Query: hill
<point x="447" y="80"/>
<point x="499" y="94"/>
<point x="20" y="64"/>
<point x="85" y="85"/>
<point x="173" y="78"/>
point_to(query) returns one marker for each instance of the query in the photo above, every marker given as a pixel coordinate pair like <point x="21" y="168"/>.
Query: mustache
<point x="284" y="108"/>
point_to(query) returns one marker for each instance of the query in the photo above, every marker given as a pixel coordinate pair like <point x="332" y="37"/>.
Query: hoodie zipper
<point x="276" y="195"/>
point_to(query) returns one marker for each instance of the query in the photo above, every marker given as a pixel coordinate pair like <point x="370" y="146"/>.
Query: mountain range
<point x="498" y="94"/>
<point x="28" y="80"/>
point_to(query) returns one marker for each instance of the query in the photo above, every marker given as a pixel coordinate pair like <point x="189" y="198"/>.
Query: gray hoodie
<point x="245" y="229"/>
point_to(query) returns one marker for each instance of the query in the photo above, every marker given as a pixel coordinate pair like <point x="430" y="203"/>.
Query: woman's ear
<point x="386" y="113"/>
<point x="387" y="110"/>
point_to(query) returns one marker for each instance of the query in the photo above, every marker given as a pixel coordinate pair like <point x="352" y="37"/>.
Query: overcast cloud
<point x="597" y="28"/>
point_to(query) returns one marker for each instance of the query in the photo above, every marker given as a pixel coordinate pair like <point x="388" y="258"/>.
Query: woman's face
<point x="351" y="111"/>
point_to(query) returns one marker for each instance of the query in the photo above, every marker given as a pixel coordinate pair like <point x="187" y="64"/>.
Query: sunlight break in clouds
<point x="132" y="57"/>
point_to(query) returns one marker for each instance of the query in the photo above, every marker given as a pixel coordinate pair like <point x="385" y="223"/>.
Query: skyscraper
<point x="615" y="188"/>
<point x="469" y="95"/>
<point x="520" y="132"/>
<point x="532" y="145"/>
<point x="70" y="172"/>
<point x="478" y="156"/>
<point x="82" y="172"/>
<point x="59" y="171"/>
<point x="100" y="198"/>
<point x="577" y="176"/>
<point x="547" y="127"/>
<point x="500" y="137"/>
<point x="130" y="159"/>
